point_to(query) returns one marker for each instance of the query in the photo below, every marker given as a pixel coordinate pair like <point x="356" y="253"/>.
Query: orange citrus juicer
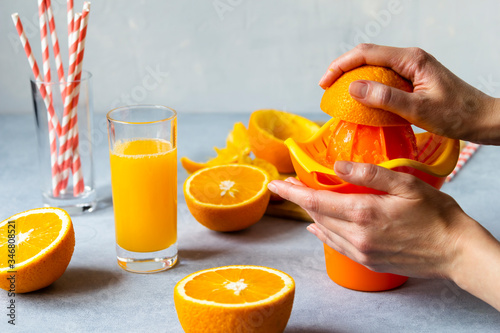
<point x="360" y="133"/>
<point x="436" y="158"/>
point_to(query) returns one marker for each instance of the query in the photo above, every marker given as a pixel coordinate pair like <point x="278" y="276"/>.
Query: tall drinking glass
<point x="143" y="156"/>
<point x="72" y="187"/>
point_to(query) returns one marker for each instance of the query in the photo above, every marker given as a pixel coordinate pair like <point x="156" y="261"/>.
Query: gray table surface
<point x="95" y="295"/>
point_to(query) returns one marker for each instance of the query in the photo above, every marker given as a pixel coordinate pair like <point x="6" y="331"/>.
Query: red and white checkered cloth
<point x="466" y="153"/>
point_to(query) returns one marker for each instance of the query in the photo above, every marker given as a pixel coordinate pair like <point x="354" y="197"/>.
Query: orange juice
<point x="144" y="185"/>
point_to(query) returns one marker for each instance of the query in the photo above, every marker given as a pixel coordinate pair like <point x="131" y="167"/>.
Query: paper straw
<point x="36" y="72"/>
<point x="466" y="153"/>
<point x="54" y="126"/>
<point x="65" y="151"/>
<point x="70" y="16"/>
<point x="47" y="78"/>
<point x="45" y="46"/>
<point x="53" y="161"/>
<point x="55" y="46"/>
<point x="78" y="181"/>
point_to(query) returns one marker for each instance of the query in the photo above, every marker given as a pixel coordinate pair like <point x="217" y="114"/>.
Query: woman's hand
<point x="441" y="102"/>
<point x="414" y="230"/>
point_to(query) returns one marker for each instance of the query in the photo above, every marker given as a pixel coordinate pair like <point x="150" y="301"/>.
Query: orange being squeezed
<point x="365" y="134"/>
<point x="144" y="185"/>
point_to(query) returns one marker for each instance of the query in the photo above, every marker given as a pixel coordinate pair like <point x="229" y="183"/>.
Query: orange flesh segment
<point x="369" y="144"/>
<point x="34" y="233"/>
<point x="234" y="286"/>
<point x="226" y="188"/>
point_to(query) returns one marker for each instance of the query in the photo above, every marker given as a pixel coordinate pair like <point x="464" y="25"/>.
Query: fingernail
<point x="272" y="188"/>
<point x="358" y="89"/>
<point x="343" y="167"/>
<point x="311" y="228"/>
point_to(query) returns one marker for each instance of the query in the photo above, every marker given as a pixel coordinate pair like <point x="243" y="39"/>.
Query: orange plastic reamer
<point x="436" y="158"/>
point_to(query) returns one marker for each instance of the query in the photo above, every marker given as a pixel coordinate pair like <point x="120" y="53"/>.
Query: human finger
<point x="327" y="203"/>
<point x="364" y="54"/>
<point x="379" y="178"/>
<point x="381" y="96"/>
<point x="333" y="240"/>
<point x="294" y="181"/>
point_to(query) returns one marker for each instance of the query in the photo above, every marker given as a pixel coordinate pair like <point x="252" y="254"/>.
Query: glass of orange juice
<point x="143" y="158"/>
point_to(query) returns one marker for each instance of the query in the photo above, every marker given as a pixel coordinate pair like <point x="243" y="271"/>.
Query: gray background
<point x="241" y="55"/>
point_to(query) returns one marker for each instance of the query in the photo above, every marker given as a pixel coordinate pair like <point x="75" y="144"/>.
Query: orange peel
<point x="338" y="103"/>
<point x="268" y="129"/>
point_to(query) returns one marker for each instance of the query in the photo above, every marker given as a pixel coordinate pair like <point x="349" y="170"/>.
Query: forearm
<point x="477" y="268"/>
<point x="488" y="129"/>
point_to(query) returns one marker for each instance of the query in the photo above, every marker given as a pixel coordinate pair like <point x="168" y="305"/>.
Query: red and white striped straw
<point x="55" y="45"/>
<point x="70" y="16"/>
<point x="45" y="46"/>
<point x="65" y="147"/>
<point x="53" y="162"/>
<point x="47" y="78"/>
<point x="78" y="181"/>
<point x="54" y="126"/>
<point x="36" y="72"/>
<point x="466" y="153"/>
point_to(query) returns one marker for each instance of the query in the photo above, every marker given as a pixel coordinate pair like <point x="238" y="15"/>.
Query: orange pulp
<point x="369" y="144"/>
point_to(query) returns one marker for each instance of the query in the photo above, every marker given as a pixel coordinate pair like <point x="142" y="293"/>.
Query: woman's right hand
<point x="441" y="102"/>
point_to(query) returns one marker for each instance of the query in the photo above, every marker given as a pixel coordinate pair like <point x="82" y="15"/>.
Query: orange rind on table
<point x="268" y="129"/>
<point x="436" y="158"/>
<point x="237" y="145"/>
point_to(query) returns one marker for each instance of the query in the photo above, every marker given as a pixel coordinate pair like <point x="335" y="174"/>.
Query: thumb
<point x="378" y="95"/>
<point x="378" y="178"/>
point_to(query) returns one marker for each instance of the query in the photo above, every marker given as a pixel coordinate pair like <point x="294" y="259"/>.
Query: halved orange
<point x="237" y="145"/>
<point x="268" y="129"/>
<point x="35" y="248"/>
<point x="227" y="197"/>
<point x="237" y="298"/>
<point x="339" y="104"/>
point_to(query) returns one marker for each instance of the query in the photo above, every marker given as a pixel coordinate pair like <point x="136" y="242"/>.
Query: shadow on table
<point x="199" y="254"/>
<point x="104" y="197"/>
<point x="302" y="329"/>
<point x="269" y="228"/>
<point x="441" y="300"/>
<point x="83" y="280"/>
